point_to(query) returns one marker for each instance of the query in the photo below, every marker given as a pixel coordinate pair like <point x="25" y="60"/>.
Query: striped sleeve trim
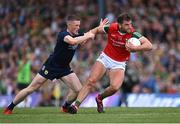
<point x="106" y="28"/>
<point x="137" y="35"/>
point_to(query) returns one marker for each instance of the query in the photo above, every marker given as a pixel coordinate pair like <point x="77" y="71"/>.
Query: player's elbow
<point x="73" y="42"/>
<point x="147" y="44"/>
<point x="70" y="40"/>
<point x="150" y="46"/>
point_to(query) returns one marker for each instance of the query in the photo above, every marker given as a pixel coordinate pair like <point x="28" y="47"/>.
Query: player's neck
<point x="122" y="32"/>
<point x="71" y="33"/>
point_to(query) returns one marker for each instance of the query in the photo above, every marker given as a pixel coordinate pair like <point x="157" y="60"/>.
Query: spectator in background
<point x="24" y="74"/>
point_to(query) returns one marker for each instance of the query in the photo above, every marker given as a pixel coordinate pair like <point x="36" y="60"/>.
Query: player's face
<point x="126" y="26"/>
<point x="74" y="26"/>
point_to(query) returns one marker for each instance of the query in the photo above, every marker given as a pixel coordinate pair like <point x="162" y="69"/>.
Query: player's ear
<point x="68" y="23"/>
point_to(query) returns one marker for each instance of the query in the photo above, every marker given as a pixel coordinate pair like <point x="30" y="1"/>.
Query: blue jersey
<point x="63" y="52"/>
<point x="57" y="65"/>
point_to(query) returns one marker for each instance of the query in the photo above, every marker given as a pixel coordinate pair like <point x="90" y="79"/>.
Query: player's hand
<point x="103" y="22"/>
<point x="130" y="47"/>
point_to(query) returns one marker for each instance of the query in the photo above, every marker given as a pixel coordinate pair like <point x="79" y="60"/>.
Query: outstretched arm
<point x="89" y="35"/>
<point x="80" y="39"/>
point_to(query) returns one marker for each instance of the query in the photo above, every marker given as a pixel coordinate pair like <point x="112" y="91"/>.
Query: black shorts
<point x="50" y="72"/>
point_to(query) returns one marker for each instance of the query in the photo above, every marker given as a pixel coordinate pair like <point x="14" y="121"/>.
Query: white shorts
<point x="110" y="63"/>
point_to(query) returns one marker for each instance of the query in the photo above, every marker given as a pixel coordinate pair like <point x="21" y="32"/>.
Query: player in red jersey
<point x="113" y="58"/>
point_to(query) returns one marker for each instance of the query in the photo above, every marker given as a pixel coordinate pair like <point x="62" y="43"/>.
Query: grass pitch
<point x="90" y="115"/>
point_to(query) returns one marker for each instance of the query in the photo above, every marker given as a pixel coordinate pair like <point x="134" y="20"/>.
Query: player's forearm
<point x="145" y="45"/>
<point x="80" y="39"/>
<point x="95" y="30"/>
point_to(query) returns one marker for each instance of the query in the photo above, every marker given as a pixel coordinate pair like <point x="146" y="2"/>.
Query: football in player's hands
<point x="134" y="41"/>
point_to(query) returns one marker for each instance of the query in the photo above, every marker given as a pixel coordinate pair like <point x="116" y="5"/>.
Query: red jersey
<point x="115" y="47"/>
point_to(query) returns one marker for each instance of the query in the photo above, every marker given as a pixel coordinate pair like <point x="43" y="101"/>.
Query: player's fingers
<point x="127" y="45"/>
<point x="128" y="49"/>
<point x="105" y="21"/>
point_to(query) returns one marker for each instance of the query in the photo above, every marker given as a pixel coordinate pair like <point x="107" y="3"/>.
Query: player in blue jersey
<point x="57" y="65"/>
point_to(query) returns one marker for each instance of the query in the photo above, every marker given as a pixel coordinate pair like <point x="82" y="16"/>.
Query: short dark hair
<point x="123" y="17"/>
<point x="72" y="18"/>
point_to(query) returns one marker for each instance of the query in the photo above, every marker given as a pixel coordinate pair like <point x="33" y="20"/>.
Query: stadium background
<point x="28" y="30"/>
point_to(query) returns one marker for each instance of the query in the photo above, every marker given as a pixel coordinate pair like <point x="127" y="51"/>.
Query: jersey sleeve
<point x="106" y="28"/>
<point x="137" y="35"/>
<point x="61" y="36"/>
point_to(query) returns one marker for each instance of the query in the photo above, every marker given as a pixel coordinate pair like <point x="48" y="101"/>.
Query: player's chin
<point x="76" y="32"/>
<point x="129" y="31"/>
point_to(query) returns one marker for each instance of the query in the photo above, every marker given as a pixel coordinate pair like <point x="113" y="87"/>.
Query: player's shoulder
<point x="62" y="34"/>
<point x="114" y="26"/>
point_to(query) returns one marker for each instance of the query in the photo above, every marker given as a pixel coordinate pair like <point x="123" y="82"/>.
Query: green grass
<point x="90" y="115"/>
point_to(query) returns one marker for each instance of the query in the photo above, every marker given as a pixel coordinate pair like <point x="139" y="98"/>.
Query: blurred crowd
<point x="29" y="28"/>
